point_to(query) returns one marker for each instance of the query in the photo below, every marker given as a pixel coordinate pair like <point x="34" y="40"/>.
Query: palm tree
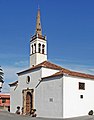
<point x="1" y="78"/>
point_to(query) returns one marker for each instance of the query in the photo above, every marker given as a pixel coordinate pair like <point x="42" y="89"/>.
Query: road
<point x="10" y="116"/>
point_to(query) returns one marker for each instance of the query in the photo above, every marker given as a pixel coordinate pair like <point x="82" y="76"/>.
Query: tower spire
<point x="38" y="23"/>
<point x="38" y="45"/>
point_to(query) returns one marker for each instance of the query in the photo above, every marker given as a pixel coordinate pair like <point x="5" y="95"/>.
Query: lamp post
<point x="1" y="78"/>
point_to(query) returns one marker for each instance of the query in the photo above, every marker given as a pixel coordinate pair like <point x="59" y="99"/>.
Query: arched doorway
<point x="28" y="102"/>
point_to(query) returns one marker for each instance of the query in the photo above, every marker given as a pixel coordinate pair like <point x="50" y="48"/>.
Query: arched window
<point x="39" y="47"/>
<point x="35" y="48"/>
<point x="43" y="47"/>
<point x="28" y="80"/>
<point x="32" y="49"/>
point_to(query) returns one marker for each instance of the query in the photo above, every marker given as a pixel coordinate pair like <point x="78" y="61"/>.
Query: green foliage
<point x="1" y="75"/>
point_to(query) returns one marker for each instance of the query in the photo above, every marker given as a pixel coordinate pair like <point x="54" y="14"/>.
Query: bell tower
<point x="38" y="44"/>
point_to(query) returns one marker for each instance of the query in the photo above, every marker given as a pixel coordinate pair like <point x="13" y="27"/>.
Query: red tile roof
<point x="50" y="65"/>
<point x="4" y="95"/>
<point x="46" y="64"/>
<point x="78" y="74"/>
<point x="72" y="73"/>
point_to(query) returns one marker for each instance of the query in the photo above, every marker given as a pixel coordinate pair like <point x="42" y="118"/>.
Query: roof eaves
<point x="45" y="64"/>
<point x="54" y="75"/>
<point x="13" y="84"/>
<point x="78" y="74"/>
<point x="35" y="67"/>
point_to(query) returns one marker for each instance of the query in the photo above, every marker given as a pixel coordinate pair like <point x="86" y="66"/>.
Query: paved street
<point x="10" y="116"/>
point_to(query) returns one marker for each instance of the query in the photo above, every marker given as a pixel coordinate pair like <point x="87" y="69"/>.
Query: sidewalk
<point x="11" y="116"/>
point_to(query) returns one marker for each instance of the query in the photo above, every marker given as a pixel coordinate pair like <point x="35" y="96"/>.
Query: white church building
<point x="55" y="92"/>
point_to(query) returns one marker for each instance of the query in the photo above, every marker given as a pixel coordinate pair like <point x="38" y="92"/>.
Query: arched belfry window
<point x="43" y="47"/>
<point x="32" y="49"/>
<point x="39" y="47"/>
<point x="35" y="48"/>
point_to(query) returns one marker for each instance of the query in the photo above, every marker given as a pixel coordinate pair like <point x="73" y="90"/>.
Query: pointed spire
<point x="38" y="24"/>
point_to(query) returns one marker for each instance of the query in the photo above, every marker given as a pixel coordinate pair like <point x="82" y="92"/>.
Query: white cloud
<point x="80" y="68"/>
<point x="92" y="69"/>
<point x="8" y="56"/>
<point x="5" y="88"/>
<point x="21" y="63"/>
<point x="11" y="70"/>
<point x="10" y="75"/>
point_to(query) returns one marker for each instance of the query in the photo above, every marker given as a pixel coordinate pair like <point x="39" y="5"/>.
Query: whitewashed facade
<point x="53" y="91"/>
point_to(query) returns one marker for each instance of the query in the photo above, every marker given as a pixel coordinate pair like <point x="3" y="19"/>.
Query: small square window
<point x="81" y="96"/>
<point x="51" y="99"/>
<point x="81" y="86"/>
<point x="3" y="100"/>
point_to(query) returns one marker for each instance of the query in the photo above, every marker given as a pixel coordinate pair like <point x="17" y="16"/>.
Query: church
<point x="55" y="92"/>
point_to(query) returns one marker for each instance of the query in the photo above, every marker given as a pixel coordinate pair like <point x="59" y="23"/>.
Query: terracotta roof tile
<point x="50" y="65"/>
<point x="83" y="75"/>
<point x="72" y="73"/>
<point x="46" y="64"/>
<point x="4" y="95"/>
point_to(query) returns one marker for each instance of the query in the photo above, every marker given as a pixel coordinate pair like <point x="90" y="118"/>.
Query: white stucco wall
<point x="55" y="97"/>
<point x="37" y="57"/>
<point x="49" y="98"/>
<point x="16" y="94"/>
<point x="47" y="72"/>
<point x="73" y="105"/>
<point x="37" y="41"/>
<point x="15" y="99"/>
<point x="35" y="77"/>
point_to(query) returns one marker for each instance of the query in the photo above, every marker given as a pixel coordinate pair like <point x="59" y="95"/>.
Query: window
<point x="43" y="46"/>
<point x="81" y="96"/>
<point x="28" y="80"/>
<point x="3" y="100"/>
<point x="39" y="47"/>
<point x="51" y="99"/>
<point x="32" y="49"/>
<point x="35" y="47"/>
<point x="81" y="86"/>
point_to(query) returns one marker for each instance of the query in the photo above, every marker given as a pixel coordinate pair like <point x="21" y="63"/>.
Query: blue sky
<point x="68" y="25"/>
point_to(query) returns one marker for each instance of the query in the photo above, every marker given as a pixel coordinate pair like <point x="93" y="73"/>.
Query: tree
<point x="1" y="77"/>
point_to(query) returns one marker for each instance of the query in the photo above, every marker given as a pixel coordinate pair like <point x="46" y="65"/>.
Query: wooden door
<point x="28" y="102"/>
